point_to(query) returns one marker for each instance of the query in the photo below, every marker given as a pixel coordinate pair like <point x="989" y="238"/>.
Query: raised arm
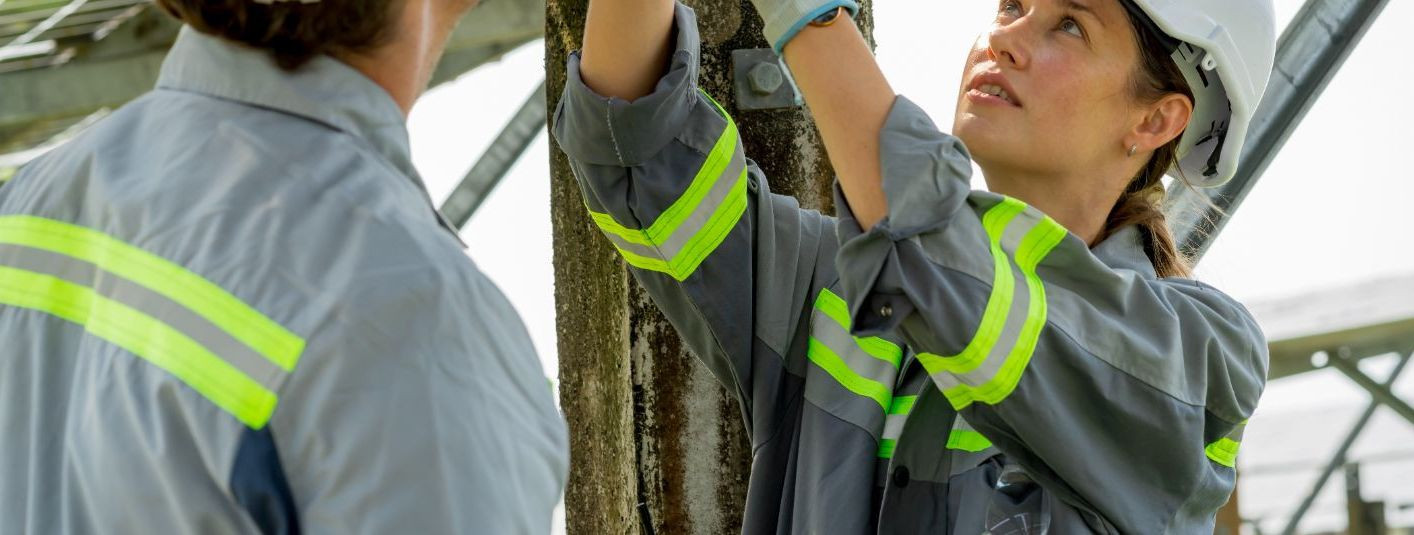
<point x="848" y="109"/>
<point x="626" y="46"/>
<point x="734" y="267"/>
<point x="847" y="93"/>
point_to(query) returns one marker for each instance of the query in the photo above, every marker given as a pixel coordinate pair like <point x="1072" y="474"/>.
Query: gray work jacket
<point x="230" y="307"/>
<point x="965" y="365"/>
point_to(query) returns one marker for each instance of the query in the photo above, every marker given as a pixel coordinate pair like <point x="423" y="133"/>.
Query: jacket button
<point x="886" y="311"/>
<point x="901" y="477"/>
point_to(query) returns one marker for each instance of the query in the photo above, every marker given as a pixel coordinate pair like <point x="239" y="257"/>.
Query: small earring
<point x="1133" y="148"/>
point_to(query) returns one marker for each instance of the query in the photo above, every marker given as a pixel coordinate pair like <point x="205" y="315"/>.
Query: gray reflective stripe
<point x="960" y="424"/>
<point x="824" y="392"/>
<point x="721" y="190"/>
<point x="963" y="438"/>
<point x="900" y="410"/>
<point x="898" y="414"/>
<point x="1017" y="313"/>
<point x="833" y="335"/>
<point x="857" y="387"/>
<point x="893" y="425"/>
<point x="1236" y="434"/>
<point x="151" y="303"/>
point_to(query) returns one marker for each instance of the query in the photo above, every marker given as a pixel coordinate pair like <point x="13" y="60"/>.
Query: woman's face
<point x="1047" y="90"/>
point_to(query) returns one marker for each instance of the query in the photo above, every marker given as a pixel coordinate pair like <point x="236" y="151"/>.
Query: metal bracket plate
<point x="761" y="80"/>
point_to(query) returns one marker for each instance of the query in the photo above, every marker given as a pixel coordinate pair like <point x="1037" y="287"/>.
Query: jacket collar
<point x="1125" y="250"/>
<point x="325" y="90"/>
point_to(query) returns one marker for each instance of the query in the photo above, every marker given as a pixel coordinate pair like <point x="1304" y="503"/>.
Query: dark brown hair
<point x="1142" y="201"/>
<point x="293" y="32"/>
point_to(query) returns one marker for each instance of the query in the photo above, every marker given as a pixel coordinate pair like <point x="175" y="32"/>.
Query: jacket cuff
<point x="636" y="130"/>
<point x="925" y="180"/>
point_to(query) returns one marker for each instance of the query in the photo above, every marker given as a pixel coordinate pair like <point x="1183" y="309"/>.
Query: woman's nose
<point x="1006" y="44"/>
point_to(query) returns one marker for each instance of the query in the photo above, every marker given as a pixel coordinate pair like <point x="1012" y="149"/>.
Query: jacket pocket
<point x="998" y="497"/>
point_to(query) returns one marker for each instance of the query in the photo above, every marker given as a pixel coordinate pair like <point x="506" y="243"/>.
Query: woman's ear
<point x="1164" y="121"/>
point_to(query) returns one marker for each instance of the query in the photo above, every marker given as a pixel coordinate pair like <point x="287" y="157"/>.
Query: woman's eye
<point x="1010" y="8"/>
<point x="1072" y="27"/>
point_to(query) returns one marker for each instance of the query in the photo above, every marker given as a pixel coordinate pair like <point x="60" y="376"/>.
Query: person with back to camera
<point x="230" y="306"/>
<point x="1029" y="359"/>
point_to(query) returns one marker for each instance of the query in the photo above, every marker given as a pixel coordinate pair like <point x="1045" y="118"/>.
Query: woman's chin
<point x="981" y="139"/>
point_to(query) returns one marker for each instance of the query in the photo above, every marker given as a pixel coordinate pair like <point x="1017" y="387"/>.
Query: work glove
<point x="785" y="18"/>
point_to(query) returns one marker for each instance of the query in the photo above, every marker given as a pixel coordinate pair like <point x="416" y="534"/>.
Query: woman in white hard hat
<point x="1026" y="359"/>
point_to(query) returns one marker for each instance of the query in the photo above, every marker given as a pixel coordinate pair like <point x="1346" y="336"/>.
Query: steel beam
<point x="124" y="65"/>
<point x="105" y="74"/>
<point x="524" y="126"/>
<point x="1382" y="394"/>
<point x="1339" y="458"/>
<point x="1309" y="53"/>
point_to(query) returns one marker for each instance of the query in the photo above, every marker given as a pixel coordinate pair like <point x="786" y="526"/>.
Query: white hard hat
<point x="1225" y="49"/>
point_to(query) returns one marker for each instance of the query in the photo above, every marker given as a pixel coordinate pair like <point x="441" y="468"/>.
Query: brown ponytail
<point x="293" y="33"/>
<point x="1142" y="201"/>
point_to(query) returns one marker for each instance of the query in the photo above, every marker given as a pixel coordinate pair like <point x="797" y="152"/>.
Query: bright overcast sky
<point x="1331" y="210"/>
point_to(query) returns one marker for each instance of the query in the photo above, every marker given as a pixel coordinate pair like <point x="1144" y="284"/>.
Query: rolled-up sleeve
<point x="600" y="130"/>
<point x="926" y="177"/>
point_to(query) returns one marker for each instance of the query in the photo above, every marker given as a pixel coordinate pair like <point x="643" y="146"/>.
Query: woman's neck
<point x="1081" y="204"/>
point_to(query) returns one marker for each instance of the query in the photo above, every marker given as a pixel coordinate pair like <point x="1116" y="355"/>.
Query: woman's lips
<point x="992" y="87"/>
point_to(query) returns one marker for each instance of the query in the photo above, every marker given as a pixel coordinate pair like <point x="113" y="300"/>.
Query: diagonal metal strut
<point x="1342" y="362"/>
<point x="1340" y="453"/>
<point x="527" y="123"/>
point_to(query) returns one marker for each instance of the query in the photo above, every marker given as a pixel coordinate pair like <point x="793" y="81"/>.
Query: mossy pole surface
<point x="656" y="444"/>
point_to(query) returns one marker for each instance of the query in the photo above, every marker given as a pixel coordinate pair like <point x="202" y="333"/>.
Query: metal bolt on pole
<point x="765" y="78"/>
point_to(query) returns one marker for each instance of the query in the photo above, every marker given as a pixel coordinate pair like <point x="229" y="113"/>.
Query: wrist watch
<point x="827" y="18"/>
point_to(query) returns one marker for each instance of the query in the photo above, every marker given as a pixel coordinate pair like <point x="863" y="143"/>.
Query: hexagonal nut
<point x="765" y="78"/>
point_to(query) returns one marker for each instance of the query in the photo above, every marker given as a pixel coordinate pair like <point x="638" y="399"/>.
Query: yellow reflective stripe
<point x="144" y="336"/>
<point x="831" y="362"/>
<point x="671" y="218"/>
<point x="1038" y="243"/>
<point x="713" y="232"/>
<point x="203" y="297"/>
<point x="696" y="249"/>
<point x="700" y="245"/>
<point x="887" y="447"/>
<point x="835" y="307"/>
<point x="999" y="301"/>
<point x="899" y="407"/>
<point x="663" y="250"/>
<point x="902" y="404"/>
<point x="1223" y="452"/>
<point x="967" y="440"/>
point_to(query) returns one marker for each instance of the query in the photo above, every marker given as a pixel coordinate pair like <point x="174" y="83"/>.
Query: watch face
<point x="827" y="18"/>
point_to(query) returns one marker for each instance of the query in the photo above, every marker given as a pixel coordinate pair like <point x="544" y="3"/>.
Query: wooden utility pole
<point x="656" y="444"/>
<point x="1366" y="518"/>
<point x="1229" y="518"/>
